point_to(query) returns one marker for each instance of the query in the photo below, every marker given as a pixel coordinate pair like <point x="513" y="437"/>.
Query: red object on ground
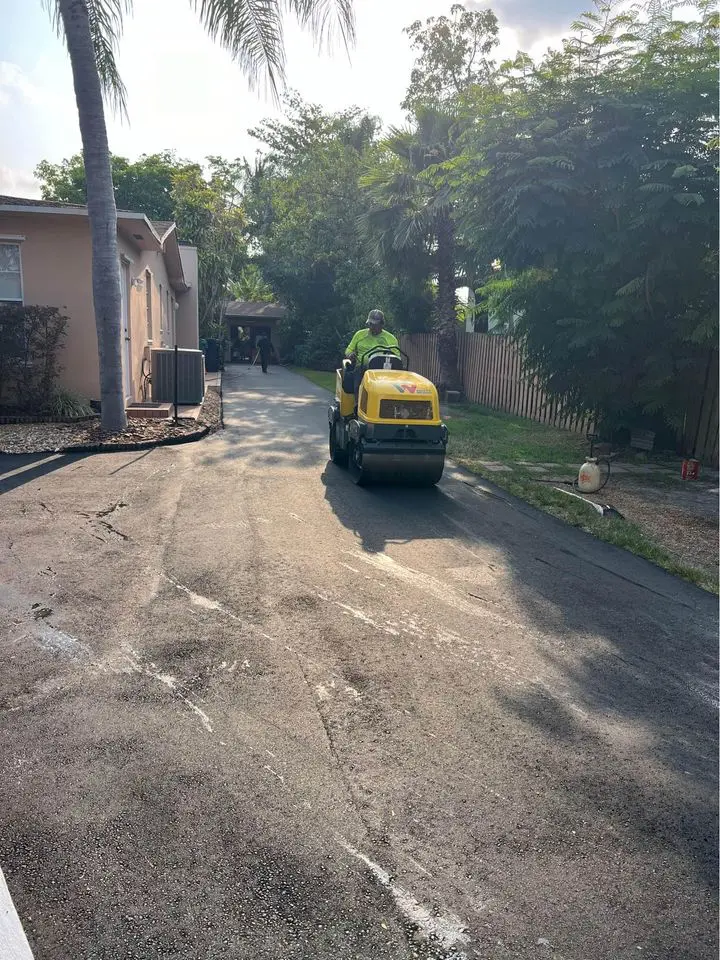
<point x="690" y="469"/>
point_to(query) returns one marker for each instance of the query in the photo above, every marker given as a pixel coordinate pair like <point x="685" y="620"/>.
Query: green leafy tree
<point x="303" y="201"/>
<point x="250" y="29"/>
<point x="210" y="216"/>
<point x="411" y="222"/>
<point x="250" y="286"/>
<point x="452" y="55"/>
<point x="596" y="185"/>
<point x="144" y="185"/>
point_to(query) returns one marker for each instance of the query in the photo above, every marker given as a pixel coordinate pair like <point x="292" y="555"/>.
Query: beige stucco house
<point x="46" y="259"/>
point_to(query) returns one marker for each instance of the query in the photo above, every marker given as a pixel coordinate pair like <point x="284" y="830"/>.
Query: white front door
<point x="127" y="351"/>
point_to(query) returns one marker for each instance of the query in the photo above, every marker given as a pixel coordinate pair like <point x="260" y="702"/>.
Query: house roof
<point x="145" y="234"/>
<point x="163" y="227"/>
<point x="27" y="202"/>
<point x="255" y="310"/>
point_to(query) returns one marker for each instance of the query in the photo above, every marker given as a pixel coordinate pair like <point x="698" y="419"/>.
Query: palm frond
<point x="416" y="225"/>
<point x="252" y="32"/>
<point x="106" y="24"/>
<point x="325" y="18"/>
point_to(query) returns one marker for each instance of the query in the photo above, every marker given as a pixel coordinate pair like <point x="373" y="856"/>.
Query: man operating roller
<point x="372" y="336"/>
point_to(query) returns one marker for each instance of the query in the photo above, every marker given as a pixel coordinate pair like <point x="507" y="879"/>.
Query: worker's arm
<point x="353" y="345"/>
<point x="392" y="342"/>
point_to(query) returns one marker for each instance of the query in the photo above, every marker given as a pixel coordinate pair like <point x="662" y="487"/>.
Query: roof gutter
<point x="79" y="212"/>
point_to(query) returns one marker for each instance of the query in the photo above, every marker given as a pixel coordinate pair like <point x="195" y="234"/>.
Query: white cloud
<point x="185" y="93"/>
<point x="16" y="85"/>
<point x="18" y="183"/>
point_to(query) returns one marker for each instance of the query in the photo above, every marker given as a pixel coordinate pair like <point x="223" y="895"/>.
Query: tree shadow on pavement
<point x="270" y="431"/>
<point x="18" y="469"/>
<point x="630" y="646"/>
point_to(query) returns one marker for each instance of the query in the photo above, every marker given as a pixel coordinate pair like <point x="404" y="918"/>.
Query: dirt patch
<point x="682" y="519"/>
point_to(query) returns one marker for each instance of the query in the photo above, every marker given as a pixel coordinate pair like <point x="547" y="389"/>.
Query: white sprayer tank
<point x="589" y="478"/>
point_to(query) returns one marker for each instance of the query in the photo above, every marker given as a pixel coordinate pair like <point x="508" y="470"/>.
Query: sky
<point x="187" y="95"/>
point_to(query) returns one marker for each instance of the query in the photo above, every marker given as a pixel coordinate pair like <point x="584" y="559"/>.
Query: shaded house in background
<point x="248" y="320"/>
<point x="45" y="259"/>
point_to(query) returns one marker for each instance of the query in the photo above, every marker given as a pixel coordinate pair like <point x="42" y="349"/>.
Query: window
<point x="171" y="318"/>
<point x="11" y="289"/>
<point x="148" y="304"/>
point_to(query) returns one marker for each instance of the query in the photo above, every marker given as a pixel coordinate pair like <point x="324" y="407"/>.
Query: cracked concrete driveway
<point x="248" y="710"/>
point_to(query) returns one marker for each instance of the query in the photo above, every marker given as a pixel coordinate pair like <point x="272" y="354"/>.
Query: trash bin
<point x="213" y="355"/>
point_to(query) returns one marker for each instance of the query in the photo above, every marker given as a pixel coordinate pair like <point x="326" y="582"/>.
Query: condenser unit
<point x="191" y="376"/>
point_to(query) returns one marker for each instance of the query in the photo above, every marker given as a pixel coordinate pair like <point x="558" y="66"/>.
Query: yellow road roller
<point x="393" y="431"/>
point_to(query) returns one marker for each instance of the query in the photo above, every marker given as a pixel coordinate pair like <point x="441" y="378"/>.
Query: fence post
<point x="175" y="385"/>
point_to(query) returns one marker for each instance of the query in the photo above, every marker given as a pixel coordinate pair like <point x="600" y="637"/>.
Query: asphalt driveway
<point x="248" y="710"/>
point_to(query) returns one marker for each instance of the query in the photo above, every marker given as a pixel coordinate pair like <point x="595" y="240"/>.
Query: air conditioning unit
<point x="191" y="376"/>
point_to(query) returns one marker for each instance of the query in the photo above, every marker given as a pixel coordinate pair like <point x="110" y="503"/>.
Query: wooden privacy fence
<point x="699" y="437"/>
<point x="492" y="374"/>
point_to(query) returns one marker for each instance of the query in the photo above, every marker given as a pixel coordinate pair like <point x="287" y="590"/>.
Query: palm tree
<point x="411" y="217"/>
<point x="251" y="30"/>
<point x="250" y="285"/>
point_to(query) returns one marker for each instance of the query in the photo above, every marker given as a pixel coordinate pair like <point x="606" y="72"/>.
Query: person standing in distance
<point x="265" y="349"/>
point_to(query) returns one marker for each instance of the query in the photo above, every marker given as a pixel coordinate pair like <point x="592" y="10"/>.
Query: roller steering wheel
<point x="386" y="351"/>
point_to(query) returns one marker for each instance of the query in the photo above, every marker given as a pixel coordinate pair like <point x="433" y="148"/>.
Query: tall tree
<point x="411" y="217"/>
<point x="303" y="201"/>
<point x="452" y="55"/>
<point x="596" y="185"/>
<point x="249" y="285"/>
<point x="91" y="28"/>
<point x="251" y="30"/>
<point x="210" y="215"/>
<point x="145" y="184"/>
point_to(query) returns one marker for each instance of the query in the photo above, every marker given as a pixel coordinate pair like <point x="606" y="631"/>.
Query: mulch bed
<point x="89" y="437"/>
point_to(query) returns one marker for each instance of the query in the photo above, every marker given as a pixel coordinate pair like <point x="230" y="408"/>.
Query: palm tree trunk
<point x="446" y="321"/>
<point x="101" y="210"/>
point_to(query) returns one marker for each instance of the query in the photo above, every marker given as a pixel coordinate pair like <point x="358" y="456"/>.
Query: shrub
<point x="30" y="339"/>
<point x="68" y="406"/>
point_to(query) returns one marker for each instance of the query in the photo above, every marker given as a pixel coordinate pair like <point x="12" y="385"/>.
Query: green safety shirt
<point x="364" y="341"/>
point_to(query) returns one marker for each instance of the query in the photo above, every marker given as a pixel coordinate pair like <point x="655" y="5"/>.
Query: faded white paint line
<point x="436" y="588"/>
<point x="172" y="683"/>
<point x="707" y="693"/>
<point x="322" y="693"/>
<point x="360" y="615"/>
<point x="13" y="942"/>
<point x="199" y="601"/>
<point x="275" y="774"/>
<point x="348" y="567"/>
<point x="446" y="928"/>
